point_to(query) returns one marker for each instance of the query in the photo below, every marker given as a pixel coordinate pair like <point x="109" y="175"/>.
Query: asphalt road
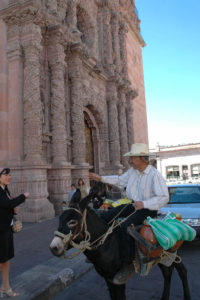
<point x="92" y="286"/>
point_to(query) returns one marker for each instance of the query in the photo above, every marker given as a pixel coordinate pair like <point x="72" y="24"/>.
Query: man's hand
<point x="138" y="205"/>
<point x="93" y="176"/>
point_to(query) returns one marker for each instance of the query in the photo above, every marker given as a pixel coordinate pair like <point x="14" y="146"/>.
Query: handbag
<point x="17" y="225"/>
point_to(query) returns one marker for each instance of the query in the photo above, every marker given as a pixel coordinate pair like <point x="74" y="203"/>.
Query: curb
<point x="45" y="281"/>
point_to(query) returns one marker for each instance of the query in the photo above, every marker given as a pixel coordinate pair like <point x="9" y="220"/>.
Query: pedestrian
<point x="147" y="189"/>
<point x="71" y="192"/>
<point x="64" y="205"/>
<point x="83" y="188"/>
<point x="8" y="207"/>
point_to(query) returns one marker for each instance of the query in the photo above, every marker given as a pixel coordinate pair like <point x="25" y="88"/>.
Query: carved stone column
<point x="107" y="40"/>
<point x="33" y="175"/>
<point x="71" y="15"/>
<point x="116" y="44"/>
<point x="123" y="50"/>
<point x="59" y="174"/>
<point x="31" y="42"/>
<point x="56" y="56"/>
<point x="114" y="144"/>
<point x="77" y="116"/>
<point x="129" y="118"/>
<point x="14" y="104"/>
<point x="3" y="97"/>
<point x="123" y="127"/>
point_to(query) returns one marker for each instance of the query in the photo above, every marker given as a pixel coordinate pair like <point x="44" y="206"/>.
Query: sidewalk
<point x="35" y="272"/>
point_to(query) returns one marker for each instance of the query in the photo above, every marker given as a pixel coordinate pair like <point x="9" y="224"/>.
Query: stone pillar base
<point x="59" y="182"/>
<point x="33" y="180"/>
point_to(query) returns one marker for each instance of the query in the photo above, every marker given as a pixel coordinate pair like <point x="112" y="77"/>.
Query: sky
<point x="171" y="63"/>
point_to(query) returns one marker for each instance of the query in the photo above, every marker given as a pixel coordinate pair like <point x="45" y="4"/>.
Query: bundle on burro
<point x="82" y="227"/>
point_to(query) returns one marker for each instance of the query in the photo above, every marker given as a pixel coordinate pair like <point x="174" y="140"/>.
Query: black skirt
<point x="6" y="245"/>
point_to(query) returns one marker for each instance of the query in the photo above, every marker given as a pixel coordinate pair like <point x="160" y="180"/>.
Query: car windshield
<point x="186" y="194"/>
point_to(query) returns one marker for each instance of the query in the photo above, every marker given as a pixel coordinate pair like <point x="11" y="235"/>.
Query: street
<point x="92" y="286"/>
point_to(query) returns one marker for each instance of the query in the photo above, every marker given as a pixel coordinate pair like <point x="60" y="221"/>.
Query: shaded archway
<point x="92" y="140"/>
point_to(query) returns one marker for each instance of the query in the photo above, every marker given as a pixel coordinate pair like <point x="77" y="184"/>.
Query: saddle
<point x="148" y="252"/>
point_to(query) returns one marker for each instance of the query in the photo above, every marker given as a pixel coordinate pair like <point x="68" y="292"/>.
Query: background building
<point x="180" y="163"/>
<point x="71" y="94"/>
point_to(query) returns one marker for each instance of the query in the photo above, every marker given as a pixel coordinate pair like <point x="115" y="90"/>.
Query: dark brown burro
<point x="76" y="225"/>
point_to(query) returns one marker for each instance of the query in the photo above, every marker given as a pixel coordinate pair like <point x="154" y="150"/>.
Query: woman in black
<point x="7" y="211"/>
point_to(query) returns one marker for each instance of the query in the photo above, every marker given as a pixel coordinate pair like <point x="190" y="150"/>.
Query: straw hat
<point x="138" y="150"/>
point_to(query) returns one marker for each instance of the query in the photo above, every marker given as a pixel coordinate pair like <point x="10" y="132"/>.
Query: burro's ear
<point x="85" y="201"/>
<point x="76" y="198"/>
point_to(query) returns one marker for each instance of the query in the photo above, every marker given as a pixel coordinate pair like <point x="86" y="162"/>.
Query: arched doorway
<point x="92" y="141"/>
<point x="89" y="145"/>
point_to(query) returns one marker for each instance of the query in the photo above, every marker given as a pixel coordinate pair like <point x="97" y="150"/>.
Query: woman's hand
<point x="27" y="195"/>
<point x="93" y="176"/>
<point x="15" y="210"/>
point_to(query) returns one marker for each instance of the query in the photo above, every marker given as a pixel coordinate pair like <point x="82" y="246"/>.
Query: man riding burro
<point x="147" y="189"/>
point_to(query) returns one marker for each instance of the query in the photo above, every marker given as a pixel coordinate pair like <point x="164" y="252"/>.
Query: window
<point x="172" y="172"/>
<point x="195" y="170"/>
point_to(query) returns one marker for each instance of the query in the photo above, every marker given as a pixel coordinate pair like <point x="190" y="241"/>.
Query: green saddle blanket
<point x="169" y="230"/>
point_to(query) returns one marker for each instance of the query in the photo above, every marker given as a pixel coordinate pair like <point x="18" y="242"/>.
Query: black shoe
<point x="124" y="274"/>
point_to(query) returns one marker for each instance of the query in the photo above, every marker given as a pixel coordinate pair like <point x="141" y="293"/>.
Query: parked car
<point x="184" y="199"/>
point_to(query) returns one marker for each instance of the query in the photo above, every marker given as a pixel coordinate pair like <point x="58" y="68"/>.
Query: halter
<point x="69" y="238"/>
<point x="86" y="245"/>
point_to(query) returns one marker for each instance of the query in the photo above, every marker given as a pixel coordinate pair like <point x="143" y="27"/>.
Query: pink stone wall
<point x="3" y="95"/>
<point x="135" y="71"/>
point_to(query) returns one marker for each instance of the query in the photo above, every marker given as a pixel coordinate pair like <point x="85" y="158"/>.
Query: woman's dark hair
<point x="5" y="171"/>
<point x="80" y="179"/>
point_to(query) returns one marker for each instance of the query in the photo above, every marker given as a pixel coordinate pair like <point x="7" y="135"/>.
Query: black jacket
<point x="6" y="208"/>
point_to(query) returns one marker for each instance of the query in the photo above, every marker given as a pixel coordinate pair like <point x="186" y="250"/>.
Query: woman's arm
<point x="11" y="203"/>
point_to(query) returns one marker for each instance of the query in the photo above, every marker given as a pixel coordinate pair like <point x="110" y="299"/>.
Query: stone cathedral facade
<point x="71" y="94"/>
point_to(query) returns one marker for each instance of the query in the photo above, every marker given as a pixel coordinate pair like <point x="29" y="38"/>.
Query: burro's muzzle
<point x="57" y="246"/>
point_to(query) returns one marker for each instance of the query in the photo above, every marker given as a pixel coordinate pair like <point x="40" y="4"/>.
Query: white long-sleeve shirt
<point x="147" y="186"/>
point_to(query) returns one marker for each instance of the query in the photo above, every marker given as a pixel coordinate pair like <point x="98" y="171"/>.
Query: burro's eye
<point x="72" y="223"/>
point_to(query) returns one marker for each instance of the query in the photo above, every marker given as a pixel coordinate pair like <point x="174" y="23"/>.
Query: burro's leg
<point x="117" y="292"/>
<point x="167" y="274"/>
<point x="182" y="271"/>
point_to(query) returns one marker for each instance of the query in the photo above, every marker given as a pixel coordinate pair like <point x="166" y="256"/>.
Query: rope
<point x="86" y="245"/>
<point x="177" y="258"/>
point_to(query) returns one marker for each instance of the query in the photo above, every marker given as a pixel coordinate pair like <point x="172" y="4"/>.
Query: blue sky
<point x="171" y="62"/>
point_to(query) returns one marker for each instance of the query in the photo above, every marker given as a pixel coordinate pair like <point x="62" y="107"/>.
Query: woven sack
<point x="169" y="231"/>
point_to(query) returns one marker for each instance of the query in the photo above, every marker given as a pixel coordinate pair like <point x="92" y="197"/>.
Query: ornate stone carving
<point x="107" y="40"/>
<point x="116" y="45"/>
<point x="57" y="65"/>
<point x="129" y="118"/>
<point x="31" y="42"/>
<point x="123" y="52"/>
<point x="77" y="118"/>
<point x="123" y="127"/>
<point x="114" y="145"/>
